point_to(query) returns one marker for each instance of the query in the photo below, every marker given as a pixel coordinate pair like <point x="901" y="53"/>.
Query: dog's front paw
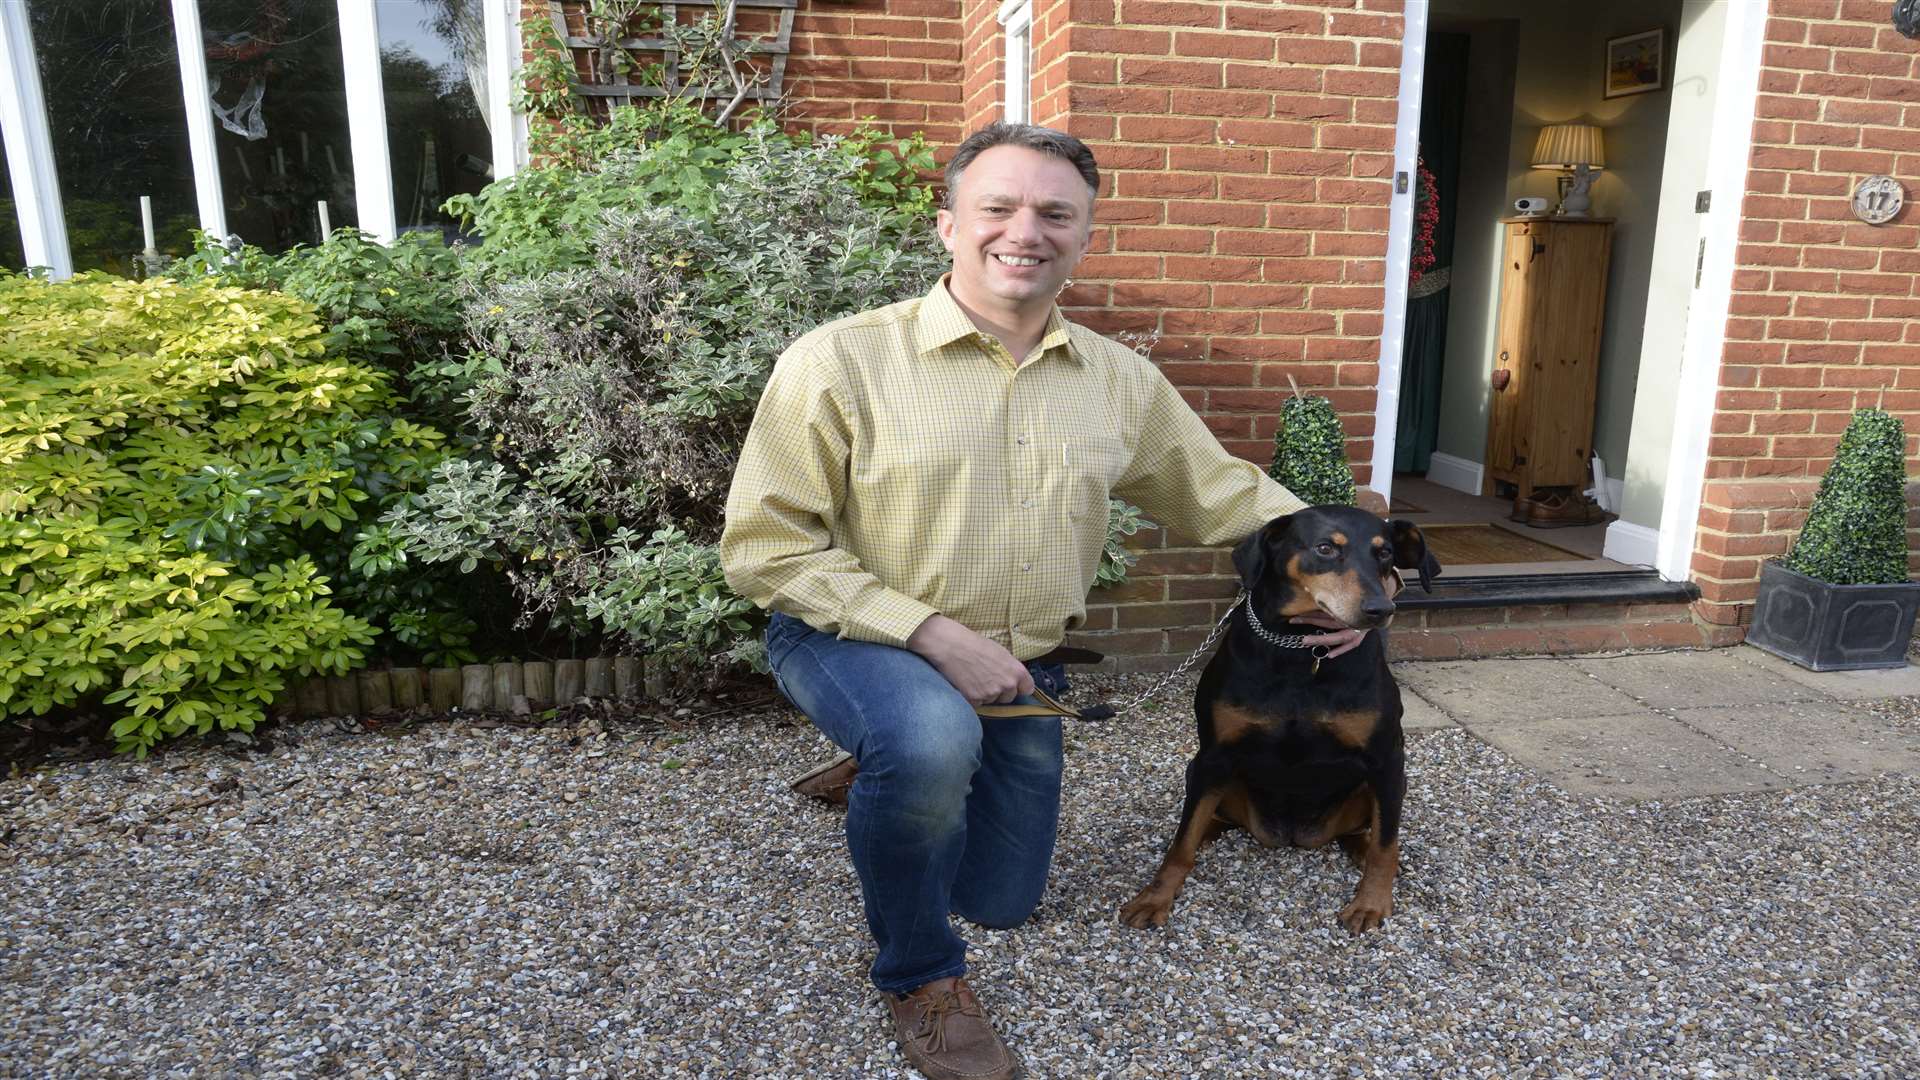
<point x="1364" y="913"/>
<point x="1150" y="907"/>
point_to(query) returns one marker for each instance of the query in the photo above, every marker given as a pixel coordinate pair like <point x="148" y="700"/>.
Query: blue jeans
<point x="948" y="813"/>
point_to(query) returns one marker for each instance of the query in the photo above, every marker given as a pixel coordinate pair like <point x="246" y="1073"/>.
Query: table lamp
<point x="1574" y="149"/>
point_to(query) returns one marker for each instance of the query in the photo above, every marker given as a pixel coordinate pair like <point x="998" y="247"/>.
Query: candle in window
<point x="146" y="220"/>
<point x="326" y="223"/>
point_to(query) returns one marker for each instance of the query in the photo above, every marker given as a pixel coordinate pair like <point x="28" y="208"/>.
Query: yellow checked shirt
<point x="901" y="464"/>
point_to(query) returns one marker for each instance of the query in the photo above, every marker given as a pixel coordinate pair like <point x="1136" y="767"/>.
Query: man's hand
<point x="1343" y="639"/>
<point x="983" y="672"/>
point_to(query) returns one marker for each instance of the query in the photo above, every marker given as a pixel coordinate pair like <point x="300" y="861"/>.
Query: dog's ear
<point x="1250" y="555"/>
<point x="1410" y="552"/>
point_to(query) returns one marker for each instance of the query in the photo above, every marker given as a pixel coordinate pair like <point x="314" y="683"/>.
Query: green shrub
<point x="1310" y="453"/>
<point x="1856" y="531"/>
<point x="181" y="467"/>
<point x="396" y="307"/>
<point x="540" y="220"/>
<point x="618" y="383"/>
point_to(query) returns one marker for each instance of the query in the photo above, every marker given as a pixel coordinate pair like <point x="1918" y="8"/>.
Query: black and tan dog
<point x="1296" y="750"/>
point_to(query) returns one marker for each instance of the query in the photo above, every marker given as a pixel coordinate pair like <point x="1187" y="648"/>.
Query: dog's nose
<point x="1377" y="610"/>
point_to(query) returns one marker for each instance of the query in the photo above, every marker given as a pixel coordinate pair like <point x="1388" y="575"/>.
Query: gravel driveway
<point x="455" y="900"/>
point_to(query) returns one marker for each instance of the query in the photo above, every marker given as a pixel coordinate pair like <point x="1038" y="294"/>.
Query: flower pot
<point x="1826" y="627"/>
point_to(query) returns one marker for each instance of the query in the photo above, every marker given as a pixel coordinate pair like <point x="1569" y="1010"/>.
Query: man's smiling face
<point x="1020" y="222"/>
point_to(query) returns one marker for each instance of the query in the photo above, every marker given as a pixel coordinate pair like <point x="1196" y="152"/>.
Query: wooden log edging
<point x="536" y="684"/>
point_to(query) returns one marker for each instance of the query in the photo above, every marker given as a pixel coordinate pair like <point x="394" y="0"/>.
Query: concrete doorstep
<point x="1671" y="725"/>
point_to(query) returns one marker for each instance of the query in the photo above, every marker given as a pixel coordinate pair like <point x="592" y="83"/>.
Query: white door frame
<point x="1732" y="138"/>
<point x="1393" y="321"/>
<point x="1727" y="156"/>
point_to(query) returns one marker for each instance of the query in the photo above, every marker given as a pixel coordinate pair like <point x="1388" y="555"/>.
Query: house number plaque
<point x="1877" y="199"/>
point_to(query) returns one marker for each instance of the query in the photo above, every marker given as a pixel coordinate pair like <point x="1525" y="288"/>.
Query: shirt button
<point x="1026" y="566"/>
<point x="1022" y="440"/>
<point x="1026" y="504"/>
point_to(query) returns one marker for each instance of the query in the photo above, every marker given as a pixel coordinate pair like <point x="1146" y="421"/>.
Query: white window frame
<point x="195" y="92"/>
<point x="507" y="130"/>
<point x="29" y="142"/>
<point x="367" y="119"/>
<point x="1016" y="17"/>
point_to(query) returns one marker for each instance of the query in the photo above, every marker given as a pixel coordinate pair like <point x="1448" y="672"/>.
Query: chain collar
<point x="1284" y="641"/>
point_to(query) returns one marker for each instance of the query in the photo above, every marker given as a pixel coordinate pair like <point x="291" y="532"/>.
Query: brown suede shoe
<point x="944" y="1033"/>
<point x="830" y="782"/>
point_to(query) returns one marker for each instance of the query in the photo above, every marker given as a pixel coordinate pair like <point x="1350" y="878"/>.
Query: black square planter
<point x="1832" y="627"/>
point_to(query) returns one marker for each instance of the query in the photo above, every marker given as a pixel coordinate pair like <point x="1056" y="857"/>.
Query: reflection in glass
<point x="111" y="76"/>
<point x="433" y="60"/>
<point x="280" y="112"/>
<point x="13" y="255"/>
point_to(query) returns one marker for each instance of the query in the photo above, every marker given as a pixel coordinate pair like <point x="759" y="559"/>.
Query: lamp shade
<point x="1563" y="146"/>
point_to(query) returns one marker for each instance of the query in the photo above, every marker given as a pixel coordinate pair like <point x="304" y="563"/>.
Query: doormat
<point x="1477" y="545"/>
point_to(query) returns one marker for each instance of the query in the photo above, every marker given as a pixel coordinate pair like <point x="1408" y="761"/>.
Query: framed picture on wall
<point x="1636" y="63"/>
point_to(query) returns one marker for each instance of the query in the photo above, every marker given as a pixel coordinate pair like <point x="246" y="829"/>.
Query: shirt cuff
<point x="889" y="618"/>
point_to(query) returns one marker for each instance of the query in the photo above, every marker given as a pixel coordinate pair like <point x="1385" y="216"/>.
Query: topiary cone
<point x="1310" y="453"/>
<point x="1856" y="532"/>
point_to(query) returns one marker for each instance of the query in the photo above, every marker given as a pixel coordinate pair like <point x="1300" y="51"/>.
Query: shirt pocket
<point x="1088" y="466"/>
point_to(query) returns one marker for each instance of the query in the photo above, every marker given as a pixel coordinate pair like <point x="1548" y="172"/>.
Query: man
<point x="922" y="501"/>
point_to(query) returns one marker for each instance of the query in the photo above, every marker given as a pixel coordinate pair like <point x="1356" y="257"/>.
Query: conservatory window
<point x="110" y="78"/>
<point x="282" y="142"/>
<point x="262" y="119"/>
<point x="434" y="70"/>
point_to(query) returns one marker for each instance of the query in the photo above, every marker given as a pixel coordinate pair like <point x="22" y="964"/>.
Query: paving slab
<point x="1693" y="679"/>
<point x="1812" y="742"/>
<point x="1497" y="691"/>
<point x="1844" y="685"/>
<point x="1419" y="713"/>
<point x="1635" y="756"/>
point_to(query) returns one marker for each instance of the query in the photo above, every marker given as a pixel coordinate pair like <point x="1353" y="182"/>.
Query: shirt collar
<point x="941" y="322"/>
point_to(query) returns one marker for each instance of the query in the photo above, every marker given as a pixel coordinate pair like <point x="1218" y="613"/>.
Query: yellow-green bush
<point x="168" y="456"/>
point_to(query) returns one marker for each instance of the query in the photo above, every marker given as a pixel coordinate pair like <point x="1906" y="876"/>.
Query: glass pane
<point x="12" y="255"/>
<point x="111" y="76"/>
<point x="433" y="67"/>
<point x="280" y="117"/>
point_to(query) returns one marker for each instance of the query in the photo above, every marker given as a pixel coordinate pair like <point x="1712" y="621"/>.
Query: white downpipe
<point x="367" y="119"/>
<point x="23" y="121"/>
<point x="1393" y="323"/>
<point x="208" y="196"/>
<point x="1727" y="154"/>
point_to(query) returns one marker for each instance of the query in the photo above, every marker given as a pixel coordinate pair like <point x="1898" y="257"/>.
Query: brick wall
<point x="1247" y="153"/>
<point x="897" y="61"/>
<point x="1825" y="315"/>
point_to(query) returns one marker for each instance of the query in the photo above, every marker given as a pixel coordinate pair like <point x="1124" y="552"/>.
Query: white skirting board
<point x="1463" y="475"/>
<point x="1634" y="545"/>
<point x="1456" y="473"/>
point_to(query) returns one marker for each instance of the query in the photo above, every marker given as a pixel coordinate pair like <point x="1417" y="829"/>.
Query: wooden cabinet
<point x="1553" y="292"/>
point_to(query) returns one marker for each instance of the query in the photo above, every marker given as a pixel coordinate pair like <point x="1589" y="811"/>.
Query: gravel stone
<point x="638" y="901"/>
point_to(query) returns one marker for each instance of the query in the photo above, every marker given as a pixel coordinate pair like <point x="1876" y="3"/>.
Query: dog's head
<point x="1338" y="559"/>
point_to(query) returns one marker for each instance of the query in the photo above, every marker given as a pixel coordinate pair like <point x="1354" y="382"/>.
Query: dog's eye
<point x="1326" y="549"/>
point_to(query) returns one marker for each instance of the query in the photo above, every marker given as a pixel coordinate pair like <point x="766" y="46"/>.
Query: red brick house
<point x="1257" y="219"/>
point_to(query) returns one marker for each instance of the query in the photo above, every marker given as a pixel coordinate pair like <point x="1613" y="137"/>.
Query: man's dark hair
<point x="1031" y="136"/>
